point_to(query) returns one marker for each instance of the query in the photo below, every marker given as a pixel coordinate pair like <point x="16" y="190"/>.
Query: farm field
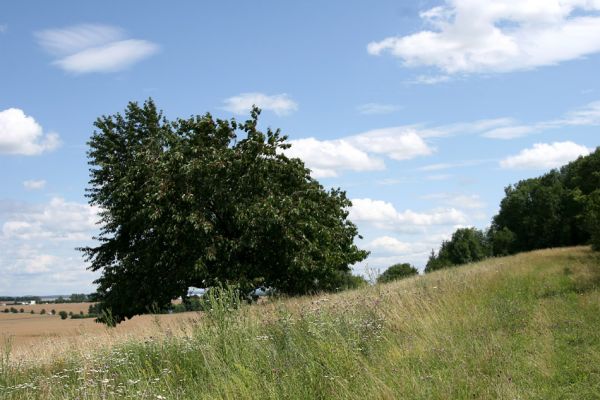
<point x="25" y="330"/>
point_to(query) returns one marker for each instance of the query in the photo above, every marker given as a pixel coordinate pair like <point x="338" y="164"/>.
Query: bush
<point x="13" y="310"/>
<point x="43" y="311"/>
<point x="397" y="271"/>
<point x="63" y="314"/>
<point x="32" y="312"/>
<point x="22" y="310"/>
<point x="53" y="312"/>
<point x="6" y="310"/>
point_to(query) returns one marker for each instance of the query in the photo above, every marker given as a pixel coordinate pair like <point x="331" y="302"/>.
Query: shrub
<point x="13" y="310"/>
<point x="6" y="310"/>
<point x="43" y="311"/>
<point x="63" y="314"/>
<point x="32" y="312"/>
<point x="22" y="310"/>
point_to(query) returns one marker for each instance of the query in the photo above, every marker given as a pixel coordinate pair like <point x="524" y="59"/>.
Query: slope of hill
<point x="520" y="327"/>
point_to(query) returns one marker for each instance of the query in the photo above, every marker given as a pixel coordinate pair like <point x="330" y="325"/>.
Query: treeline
<point x="559" y="208"/>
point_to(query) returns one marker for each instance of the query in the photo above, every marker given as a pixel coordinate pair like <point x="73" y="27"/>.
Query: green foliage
<point x="397" y="271"/>
<point x="592" y="218"/>
<point x="63" y="314"/>
<point x="502" y="242"/>
<point x="466" y="245"/>
<point x="549" y="211"/>
<point x="202" y="202"/>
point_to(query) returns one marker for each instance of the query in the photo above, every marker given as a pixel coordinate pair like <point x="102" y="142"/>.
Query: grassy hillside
<point x="521" y="327"/>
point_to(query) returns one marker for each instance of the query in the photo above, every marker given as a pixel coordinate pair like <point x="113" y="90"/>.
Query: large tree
<point x="203" y="202"/>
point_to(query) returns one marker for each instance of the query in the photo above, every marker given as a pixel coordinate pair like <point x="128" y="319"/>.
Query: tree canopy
<point x="204" y="202"/>
<point x="397" y="271"/>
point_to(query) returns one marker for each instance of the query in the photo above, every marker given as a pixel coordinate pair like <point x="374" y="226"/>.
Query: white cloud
<point x="483" y="36"/>
<point x="57" y="220"/>
<point x="383" y="215"/>
<point x="509" y="132"/>
<point x="398" y="143"/>
<point x="21" y="134"/>
<point x="588" y="115"/>
<point x="280" y="104"/>
<point x="34" y="184"/>
<point x="545" y="156"/>
<point x="326" y="158"/>
<point x="94" y="48"/>
<point x="377" y="108"/>
<point x="390" y="245"/>
<point x="108" y="58"/>
<point x="430" y="79"/>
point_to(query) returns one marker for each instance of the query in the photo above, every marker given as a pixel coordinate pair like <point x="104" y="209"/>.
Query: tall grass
<point x="521" y="327"/>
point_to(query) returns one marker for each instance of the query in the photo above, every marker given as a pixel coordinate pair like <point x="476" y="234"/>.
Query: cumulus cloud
<point x="498" y="35"/>
<point x="327" y="158"/>
<point x="34" y="184"/>
<point x="56" y="220"/>
<point x="545" y="156"/>
<point x="397" y="143"/>
<point x="377" y="108"/>
<point x="383" y="215"/>
<point x="21" y="134"/>
<point x="94" y="48"/>
<point x="280" y="104"/>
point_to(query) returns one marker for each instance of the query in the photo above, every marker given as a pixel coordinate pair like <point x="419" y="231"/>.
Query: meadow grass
<point x="519" y="327"/>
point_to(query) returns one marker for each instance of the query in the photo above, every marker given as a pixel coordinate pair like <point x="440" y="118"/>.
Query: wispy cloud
<point x="377" y="108"/>
<point x="94" y="48"/>
<point x="498" y="35"/>
<point x="34" y="184"/>
<point x="280" y="104"/>
<point x="588" y="115"/>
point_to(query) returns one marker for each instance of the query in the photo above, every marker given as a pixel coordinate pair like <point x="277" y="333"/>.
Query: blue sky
<point x="423" y="111"/>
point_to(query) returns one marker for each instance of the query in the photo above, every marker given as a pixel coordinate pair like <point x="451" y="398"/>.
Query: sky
<point x="422" y="111"/>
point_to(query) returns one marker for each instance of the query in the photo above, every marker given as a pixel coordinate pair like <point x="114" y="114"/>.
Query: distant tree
<point x="551" y="210"/>
<point x="202" y="202"/>
<point x="42" y="311"/>
<point x="466" y="245"/>
<point x="53" y="312"/>
<point x="397" y="271"/>
<point x="78" y="298"/>
<point x="22" y="310"/>
<point x="63" y="314"/>
<point x="6" y="310"/>
<point x="32" y="312"/>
